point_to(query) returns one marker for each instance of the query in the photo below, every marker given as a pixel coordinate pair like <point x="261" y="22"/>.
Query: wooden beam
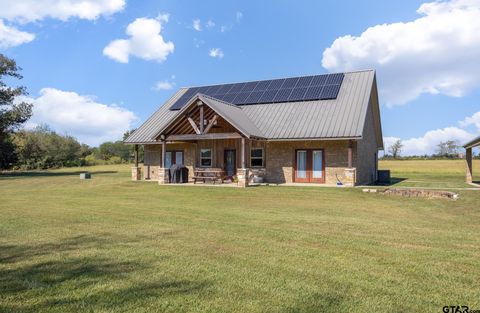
<point x="350" y="153"/>
<point x="204" y="136"/>
<point x="468" y="159"/>
<point x="195" y="128"/>
<point x="201" y="119"/>
<point x="212" y="122"/>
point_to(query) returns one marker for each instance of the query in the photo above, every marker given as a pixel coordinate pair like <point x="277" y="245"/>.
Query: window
<point x="206" y="157"/>
<point x="256" y="157"/>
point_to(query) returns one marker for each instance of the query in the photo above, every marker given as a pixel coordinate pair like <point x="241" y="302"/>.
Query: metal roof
<point x="343" y="117"/>
<point x="473" y="143"/>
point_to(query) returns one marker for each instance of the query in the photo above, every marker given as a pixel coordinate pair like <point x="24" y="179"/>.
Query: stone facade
<point x="163" y="176"/>
<point x="136" y="173"/>
<point x="243" y="177"/>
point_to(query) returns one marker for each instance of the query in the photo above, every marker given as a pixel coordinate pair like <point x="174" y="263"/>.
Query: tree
<point x="42" y="148"/>
<point x="448" y="148"/>
<point x="396" y="148"/>
<point x="12" y="113"/>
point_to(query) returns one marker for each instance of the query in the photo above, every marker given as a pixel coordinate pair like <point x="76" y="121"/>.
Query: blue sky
<point x="74" y="57"/>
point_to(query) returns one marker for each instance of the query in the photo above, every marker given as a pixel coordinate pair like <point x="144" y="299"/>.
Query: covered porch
<point x="469" y="158"/>
<point x="209" y="137"/>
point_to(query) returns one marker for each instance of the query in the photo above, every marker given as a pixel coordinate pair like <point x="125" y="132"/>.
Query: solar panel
<point x="237" y="87"/>
<point x="307" y="88"/>
<point x="334" y="79"/>
<point x="290" y="83"/>
<point x="297" y="94"/>
<point x="313" y="93"/>
<point x="230" y="97"/>
<point x="282" y="95"/>
<point x="268" y="96"/>
<point x="249" y="86"/>
<point x="330" y="92"/>
<point x="241" y="98"/>
<point x="318" y="80"/>
<point x="262" y="85"/>
<point x="224" y="89"/>
<point x="254" y="97"/>
<point x="275" y="84"/>
<point x="304" y="81"/>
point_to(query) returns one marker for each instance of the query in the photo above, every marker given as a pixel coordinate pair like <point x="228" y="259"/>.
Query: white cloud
<point x="437" y="53"/>
<point x="145" y="42"/>
<point x="25" y="11"/>
<point x="238" y="16"/>
<point x="216" y="53"/>
<point x="223" y="28"/>
<point x="472" y="120"/>
<point x="164" y="85"/>
<point x="210" y="24"/>
<point x="196" y="24"/>
<point x="427" y="144"/>
<point x="12" y="37"/>
<point x="83" y="117"/>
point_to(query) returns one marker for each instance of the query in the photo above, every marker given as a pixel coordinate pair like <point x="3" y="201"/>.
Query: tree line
<point x="449" y="149"/>
<point x="41" y="147"/>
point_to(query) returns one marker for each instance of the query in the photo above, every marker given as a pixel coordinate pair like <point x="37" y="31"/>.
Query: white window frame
<point x="210" y="158"/>
<point x="257" y="158"/>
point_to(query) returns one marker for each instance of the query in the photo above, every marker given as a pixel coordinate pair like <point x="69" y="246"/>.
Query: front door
<point x="173" y="157"/>
<point x="309" y="166"/>
<point x="230" y="162"/>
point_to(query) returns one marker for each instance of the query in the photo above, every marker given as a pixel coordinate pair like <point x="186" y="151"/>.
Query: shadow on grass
<point x="10" y="175"/>
<point x="55" y="276"/>
<point x="393" y="181"/>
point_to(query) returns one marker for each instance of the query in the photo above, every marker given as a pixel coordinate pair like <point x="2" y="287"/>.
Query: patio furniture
<point x="208" y="174"/>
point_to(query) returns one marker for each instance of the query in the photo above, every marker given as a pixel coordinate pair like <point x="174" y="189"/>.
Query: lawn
<point x="112" y="245"/>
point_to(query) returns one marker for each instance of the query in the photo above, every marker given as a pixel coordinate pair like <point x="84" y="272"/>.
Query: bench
<point x="208" y="174"/>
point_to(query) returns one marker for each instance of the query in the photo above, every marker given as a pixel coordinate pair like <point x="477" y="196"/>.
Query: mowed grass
<point x="112" y="245"/>
<point x="430" y="174"/>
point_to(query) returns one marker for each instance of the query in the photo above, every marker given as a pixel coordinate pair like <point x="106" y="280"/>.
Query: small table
<point x="212" y="174"/>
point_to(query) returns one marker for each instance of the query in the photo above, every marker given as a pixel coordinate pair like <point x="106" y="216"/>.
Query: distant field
<point x="112" y="245"/>
<point x="430" y="173"/>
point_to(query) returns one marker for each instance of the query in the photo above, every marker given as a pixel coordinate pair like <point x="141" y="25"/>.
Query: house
<point x="322" y="129"/>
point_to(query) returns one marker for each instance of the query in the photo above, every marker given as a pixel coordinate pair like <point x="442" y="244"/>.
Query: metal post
<point x="164" y="152"/>
<point x="243" y="153"/>
<point x="136" y="156"/>
<point x="350" y="154"/>
<point x="468" y="158"/>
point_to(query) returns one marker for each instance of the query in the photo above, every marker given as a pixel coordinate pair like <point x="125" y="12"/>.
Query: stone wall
<point x="280" y="158"/>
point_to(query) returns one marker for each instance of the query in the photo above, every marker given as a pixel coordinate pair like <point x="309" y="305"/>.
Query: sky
<point x="96" y="68"/>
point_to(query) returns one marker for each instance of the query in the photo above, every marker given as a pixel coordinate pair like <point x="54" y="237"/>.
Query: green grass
<point x="112" y="245"/>
<point x="426" y="173"/>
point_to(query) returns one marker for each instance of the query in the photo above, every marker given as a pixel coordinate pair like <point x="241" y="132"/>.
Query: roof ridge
<point x="284" y="77"/>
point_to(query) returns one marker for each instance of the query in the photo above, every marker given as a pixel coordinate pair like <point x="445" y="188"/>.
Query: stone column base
<point x="163" y="176"/>
<point x="350" y="177"/>
<point x="136" y="173"/>
<point x="243" y="177"/>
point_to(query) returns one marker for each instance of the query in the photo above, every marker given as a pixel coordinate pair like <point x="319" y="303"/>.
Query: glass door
<point x="301" y="166"/>
<point x="317" y="166"/>
<point x="230" y="162"/>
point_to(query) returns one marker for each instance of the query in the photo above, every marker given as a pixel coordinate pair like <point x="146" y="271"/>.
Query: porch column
<point x="164" y="153"/>
<point x="136" y="171"/>
<point x="136" y="155"/>
<point x="468" y="159"/>
<point x="243" y="174"/>
<point x="242" y="157"/>
<point x="350" y="154"/>
<point x="163" y="173"/>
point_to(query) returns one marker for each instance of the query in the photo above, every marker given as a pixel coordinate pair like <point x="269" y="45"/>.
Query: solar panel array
<point x="307" y="88"/>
